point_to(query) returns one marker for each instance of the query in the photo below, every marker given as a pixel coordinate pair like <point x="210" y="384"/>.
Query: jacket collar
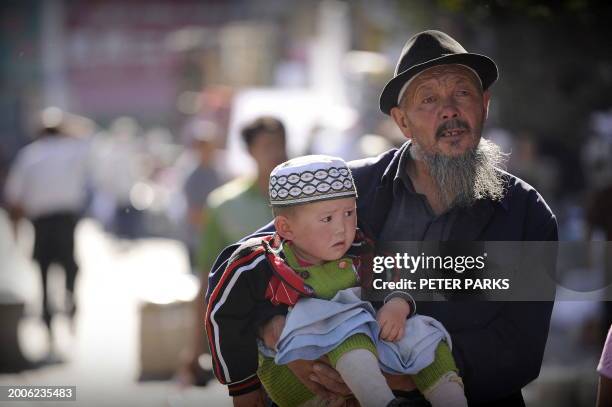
<point x="391" y="170"/>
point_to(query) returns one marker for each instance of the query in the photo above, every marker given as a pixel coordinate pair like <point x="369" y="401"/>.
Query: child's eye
<point x="348" y="213"/>
<point x="326" y="219"/>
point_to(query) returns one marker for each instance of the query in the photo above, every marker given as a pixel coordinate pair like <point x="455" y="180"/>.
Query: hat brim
<point x="312" y="199"/>
<point x="482" y="65"/>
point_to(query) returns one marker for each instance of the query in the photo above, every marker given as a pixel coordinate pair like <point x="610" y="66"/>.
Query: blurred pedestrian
<point x="203" y="139"/>
<point x="119" y="171"/>
<point x="241" y="205"/>
<point x="47" y="185"/>
<point x="234" y="210"/>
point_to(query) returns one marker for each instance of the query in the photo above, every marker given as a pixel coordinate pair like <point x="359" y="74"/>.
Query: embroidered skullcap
<point x="310" y="178"/>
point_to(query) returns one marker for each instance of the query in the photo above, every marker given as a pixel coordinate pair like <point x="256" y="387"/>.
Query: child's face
<point x="322" y="231"/>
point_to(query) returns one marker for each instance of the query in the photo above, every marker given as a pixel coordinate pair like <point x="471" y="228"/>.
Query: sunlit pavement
<point x="102" y="358"/>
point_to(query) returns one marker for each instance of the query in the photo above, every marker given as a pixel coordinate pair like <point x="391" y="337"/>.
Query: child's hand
<point x="271" y="331"/>
<point x="392" y="319"/>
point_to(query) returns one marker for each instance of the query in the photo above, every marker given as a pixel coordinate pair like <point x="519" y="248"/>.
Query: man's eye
<point x="348" y="213"/>
<point x="429" y="99"/>
<point x="326" y="219"/>
<point x="463" y="93"/>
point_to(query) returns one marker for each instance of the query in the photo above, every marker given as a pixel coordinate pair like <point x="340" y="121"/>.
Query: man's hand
<point x="400" y="382"/>
<point x="392" y="319"/>
<point x="320" y="378"/>
<point x="253" y="399"/>
<point x="271" y="331"/>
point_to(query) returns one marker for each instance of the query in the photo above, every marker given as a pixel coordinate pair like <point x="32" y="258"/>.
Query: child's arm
<point x="230" y="316"/>
<point x="392" y="316"/>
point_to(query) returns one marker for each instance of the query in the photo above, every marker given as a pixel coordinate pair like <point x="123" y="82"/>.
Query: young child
<point x="313" y="199"/>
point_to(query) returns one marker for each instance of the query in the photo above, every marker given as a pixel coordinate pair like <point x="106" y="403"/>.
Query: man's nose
<point x="449" y="109"/>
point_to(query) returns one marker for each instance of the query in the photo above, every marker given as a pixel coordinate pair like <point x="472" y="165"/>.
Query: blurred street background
<point x="153" y="96"/>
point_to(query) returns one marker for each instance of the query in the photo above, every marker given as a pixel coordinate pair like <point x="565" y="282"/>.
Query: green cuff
<point x="357" y="341"/>
<point x="282" y="386"/>
<point x="443" y="363"/>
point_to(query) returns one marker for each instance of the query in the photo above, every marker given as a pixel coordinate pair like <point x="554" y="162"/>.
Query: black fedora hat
<point x="431" y="48"/>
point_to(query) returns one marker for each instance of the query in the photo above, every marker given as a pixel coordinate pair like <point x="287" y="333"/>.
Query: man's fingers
<point x="337" y="402"/>
<point x="330" y="379"/>
<point x="303" y="370"/>
<point x="326" y="372"/>
<point x="317" y="388"/>
<point x="268" y="341"/>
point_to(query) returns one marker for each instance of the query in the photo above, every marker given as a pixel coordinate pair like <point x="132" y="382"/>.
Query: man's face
<point x="443" y="110"/>
<point x="205" y="150"/>
<point x="268" y="150"/>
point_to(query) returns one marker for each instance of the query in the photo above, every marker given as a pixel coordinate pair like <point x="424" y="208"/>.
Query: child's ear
<point x="283" y="227"/>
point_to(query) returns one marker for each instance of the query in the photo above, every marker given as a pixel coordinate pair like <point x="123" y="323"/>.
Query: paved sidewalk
<point x="102" y="358"/>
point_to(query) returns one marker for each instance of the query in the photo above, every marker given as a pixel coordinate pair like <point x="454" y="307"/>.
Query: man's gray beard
<point x="466" y="178"/>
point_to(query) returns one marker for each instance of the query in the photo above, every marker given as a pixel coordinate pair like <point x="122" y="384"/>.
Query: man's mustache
<point x="452" y="124"/>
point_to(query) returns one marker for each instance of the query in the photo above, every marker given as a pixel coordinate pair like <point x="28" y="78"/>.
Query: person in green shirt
<point x="234" y="210"/>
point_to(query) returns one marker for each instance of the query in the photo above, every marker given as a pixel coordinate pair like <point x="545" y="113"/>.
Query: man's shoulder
<point x="229" y="192"/>
<point x="524" y="206"/>
<point x="518" y="189"/>
<point x="29" y="151"/>
<point x="369" y="164"/>
<point x="367" y="172"/>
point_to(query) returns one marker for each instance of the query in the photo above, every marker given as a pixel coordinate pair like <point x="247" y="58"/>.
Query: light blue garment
<point x="314" y="327"/>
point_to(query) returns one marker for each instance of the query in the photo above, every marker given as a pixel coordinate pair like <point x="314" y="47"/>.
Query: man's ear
<point x="399" y="117"/>
<point x="283" y="227"/>
<point x="486" y="98"/>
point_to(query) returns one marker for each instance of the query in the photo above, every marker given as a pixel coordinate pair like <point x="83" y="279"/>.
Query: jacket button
<point x="304" y="274"/>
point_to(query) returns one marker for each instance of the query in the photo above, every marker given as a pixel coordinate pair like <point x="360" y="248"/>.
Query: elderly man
<point x="444" y="184"/>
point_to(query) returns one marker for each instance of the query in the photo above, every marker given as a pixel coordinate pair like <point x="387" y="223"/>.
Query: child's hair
<point x="283" y="210"/>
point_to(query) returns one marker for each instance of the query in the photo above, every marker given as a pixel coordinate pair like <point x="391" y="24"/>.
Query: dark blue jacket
<point x="498" y="346"/>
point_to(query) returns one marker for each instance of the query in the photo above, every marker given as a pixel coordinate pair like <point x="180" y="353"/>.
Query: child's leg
<point x="439" y="382"/>
<point x="282" y="386"/>
<point x="357" y="362"/>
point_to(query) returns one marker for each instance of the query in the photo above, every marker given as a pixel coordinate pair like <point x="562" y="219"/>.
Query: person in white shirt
<point x="47" y="185"/>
